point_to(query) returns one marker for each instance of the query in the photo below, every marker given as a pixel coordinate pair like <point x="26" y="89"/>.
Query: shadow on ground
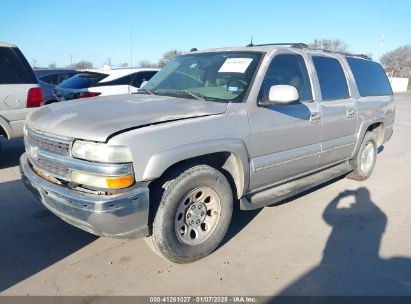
<point x="10" y="152"/>
<point x="351" y="264"/>
<point x="31" y="239"/>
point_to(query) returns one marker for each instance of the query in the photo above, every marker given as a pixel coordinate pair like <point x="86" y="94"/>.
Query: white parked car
<point x="19" y="91"/>
<point x="104" y="81"/>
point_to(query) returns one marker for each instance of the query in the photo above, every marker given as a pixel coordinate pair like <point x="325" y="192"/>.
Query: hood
<point x="97" y="118"/>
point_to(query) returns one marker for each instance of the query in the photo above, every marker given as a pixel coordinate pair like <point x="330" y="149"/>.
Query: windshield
<point x="222" y="76"/>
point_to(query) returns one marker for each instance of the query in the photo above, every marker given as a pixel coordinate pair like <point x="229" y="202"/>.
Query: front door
<point x="284" y="139"/>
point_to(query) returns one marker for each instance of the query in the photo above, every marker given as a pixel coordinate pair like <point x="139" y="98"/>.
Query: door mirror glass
<point x="281" y="95"/>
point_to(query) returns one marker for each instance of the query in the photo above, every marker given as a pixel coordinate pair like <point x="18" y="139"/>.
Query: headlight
<point x="100" y="152"/>
<point x="98" y="181"/>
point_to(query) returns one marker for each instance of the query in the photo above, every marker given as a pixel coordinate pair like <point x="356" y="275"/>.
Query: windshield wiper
<point x="192" y="94"/>
<point x="178" y="93"/>
<point x="140" y="91"/>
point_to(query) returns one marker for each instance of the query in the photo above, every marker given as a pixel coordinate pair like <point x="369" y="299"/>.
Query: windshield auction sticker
<point x="235" y="65"/>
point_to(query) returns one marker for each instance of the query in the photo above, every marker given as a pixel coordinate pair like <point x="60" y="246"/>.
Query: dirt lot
<point x="345" y="238"/>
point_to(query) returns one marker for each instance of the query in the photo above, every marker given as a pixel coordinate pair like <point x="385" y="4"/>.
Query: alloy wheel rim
<point x="367" y="157"/>
<point x="197" y="216"/>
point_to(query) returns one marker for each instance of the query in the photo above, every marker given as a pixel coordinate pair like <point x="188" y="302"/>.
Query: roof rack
<point x="299" y="45"/>
<point x="343" y="53"/>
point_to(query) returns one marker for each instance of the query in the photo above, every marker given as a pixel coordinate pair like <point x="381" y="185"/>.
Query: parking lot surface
<point x="344" y="238"/>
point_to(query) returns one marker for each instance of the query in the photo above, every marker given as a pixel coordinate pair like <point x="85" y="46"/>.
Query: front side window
<point x="287" y="69"/>
<point x="219" y="76"/>
<point x="370" y="77"/>
<point x="333" y="83"/>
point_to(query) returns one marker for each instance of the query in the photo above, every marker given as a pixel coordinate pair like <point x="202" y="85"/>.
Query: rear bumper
<point x="124" y="216"/>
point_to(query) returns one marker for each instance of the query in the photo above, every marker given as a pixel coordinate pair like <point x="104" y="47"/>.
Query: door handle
<point x="315" y="117"/>
<point x="350" y="113"/>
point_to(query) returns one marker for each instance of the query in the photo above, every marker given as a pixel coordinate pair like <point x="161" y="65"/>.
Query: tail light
<point x="87" y="94"/>
<point x="34" y="98"/>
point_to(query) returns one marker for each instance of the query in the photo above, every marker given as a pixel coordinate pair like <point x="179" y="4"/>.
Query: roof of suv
<point x="275" y="46"/>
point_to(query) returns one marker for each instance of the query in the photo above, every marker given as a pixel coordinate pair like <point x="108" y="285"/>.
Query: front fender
<point x="161" y="161"/>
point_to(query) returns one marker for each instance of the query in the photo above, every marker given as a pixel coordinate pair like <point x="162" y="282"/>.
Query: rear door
<point x="338" y="111"/>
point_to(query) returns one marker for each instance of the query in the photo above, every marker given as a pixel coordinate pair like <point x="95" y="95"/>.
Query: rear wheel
<point x="364" y="161"/>
<point x="194" y="212"/>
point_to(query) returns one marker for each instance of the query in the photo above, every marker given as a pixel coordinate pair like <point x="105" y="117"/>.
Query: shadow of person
<point x="10" y="152"/>
<point x="351" y="264"/>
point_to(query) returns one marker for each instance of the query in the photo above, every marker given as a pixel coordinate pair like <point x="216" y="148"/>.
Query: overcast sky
<point x="51" y="31"/>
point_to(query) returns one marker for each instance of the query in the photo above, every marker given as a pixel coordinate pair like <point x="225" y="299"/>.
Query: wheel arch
<point x="4" y="129"/>
<point x="227" y="155"/>
<point x="376" y="125"/>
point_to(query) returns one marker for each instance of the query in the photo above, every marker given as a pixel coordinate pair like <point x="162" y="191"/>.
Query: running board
<point x="273" y="195"/>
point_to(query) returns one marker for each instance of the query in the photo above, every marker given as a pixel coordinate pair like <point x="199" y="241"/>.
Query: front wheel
<point x="193" y="215"/>
<point x="364" y="161"/>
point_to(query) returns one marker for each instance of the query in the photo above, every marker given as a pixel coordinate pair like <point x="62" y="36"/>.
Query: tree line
<point x="397" y="63"/>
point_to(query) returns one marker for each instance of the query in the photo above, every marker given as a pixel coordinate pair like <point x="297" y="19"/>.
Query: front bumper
<point x="124" y="216"/>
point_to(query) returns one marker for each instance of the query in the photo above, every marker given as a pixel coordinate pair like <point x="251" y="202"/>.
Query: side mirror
<point x="281" y="95"/>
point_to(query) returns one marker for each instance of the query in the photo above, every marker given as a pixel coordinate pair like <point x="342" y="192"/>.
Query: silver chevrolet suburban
<point x="247" y="125"/>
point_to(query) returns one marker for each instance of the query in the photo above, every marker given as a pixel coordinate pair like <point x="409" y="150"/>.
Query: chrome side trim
<point x="338" y="143"/>
<point x="280" y="158"/>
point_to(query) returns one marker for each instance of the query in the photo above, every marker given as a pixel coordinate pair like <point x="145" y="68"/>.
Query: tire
<point x="194" y="211"/>
<point x="364" y="161"/>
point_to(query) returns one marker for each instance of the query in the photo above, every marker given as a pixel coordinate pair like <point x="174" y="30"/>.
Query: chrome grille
<point x="60" y="172"/>
<point x="44" y="152"/>
<point x="48" y="143"/>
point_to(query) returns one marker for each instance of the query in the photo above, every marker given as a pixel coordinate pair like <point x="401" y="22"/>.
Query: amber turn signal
<point x="119" y="182"/>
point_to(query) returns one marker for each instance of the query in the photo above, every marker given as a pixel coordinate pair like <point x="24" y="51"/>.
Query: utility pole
<point x="71" y="61"/>
<point x="34" y="62"/>
<point x="109" y="61"/>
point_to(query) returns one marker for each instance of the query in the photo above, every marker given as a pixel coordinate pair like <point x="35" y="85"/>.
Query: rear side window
<point x="370" y="77"/>
<point x="134" y="79"/>
<point x="14" y="68"/>
<point x="124" y="80"/>
<point x="65" y="76"/>
<point x="83" y="80"/>
<point x="50" y="79"/>
<point x="139" y="77"/>
<point x="333" y="83"/>
<point x="289" y="70"/>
